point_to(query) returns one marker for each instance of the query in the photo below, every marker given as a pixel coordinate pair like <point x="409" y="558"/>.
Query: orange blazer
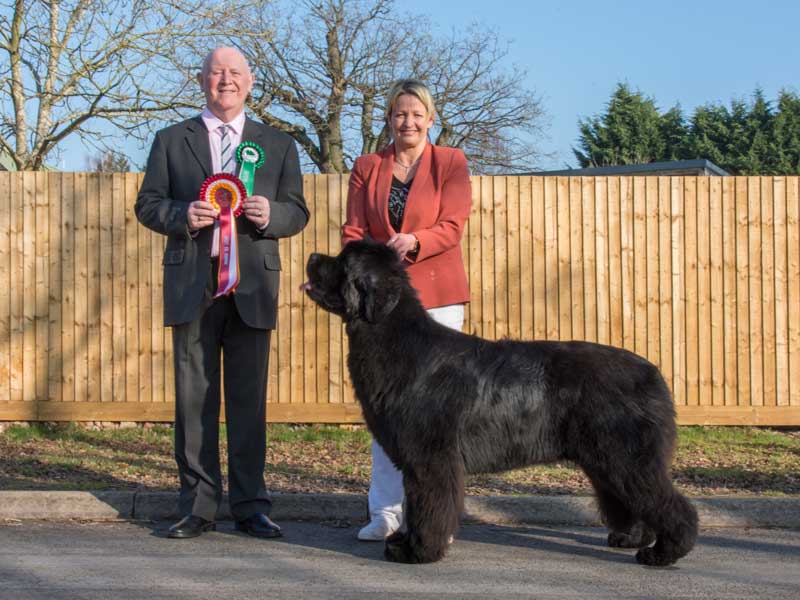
<point x="437" y="207"/>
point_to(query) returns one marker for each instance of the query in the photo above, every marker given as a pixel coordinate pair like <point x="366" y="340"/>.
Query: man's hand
<point x="200" y="214"/>
<point x="256" y="208"/>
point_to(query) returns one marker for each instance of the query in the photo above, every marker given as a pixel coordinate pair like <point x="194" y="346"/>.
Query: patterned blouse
<point x="397" y="201"/>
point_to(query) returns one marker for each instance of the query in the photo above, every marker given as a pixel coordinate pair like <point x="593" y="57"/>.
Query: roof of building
<point x="699" y="166"/>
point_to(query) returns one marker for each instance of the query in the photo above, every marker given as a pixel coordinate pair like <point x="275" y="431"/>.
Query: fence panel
<point x="700" y="275"/>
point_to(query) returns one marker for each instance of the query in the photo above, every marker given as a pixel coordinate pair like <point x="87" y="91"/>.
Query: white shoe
<point x="378" y="529"/>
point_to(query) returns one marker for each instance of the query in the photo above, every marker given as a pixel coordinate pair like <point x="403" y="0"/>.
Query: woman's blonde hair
<point x="414" y="87"/>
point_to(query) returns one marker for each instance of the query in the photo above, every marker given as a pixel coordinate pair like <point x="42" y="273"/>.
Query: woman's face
<point x="409" y="121"/>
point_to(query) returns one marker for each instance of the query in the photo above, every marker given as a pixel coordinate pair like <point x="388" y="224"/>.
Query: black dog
<point x="442" y="404"/>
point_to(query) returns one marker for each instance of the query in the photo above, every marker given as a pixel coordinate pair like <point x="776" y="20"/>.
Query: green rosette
<point x="251" y="157"/>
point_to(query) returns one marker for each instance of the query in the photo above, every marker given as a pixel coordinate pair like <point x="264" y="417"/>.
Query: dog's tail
<point x="675" y="523"/>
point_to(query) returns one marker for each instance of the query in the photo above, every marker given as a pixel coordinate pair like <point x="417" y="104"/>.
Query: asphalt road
<point x="125" y="560"/>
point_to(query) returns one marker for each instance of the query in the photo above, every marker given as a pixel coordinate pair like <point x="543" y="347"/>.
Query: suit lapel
<point x="385" y="185"/>
<point x="197" y="140"/>
<point x="418" y="186"/>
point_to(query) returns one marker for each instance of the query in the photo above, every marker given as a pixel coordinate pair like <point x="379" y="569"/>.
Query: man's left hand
<point x="256" y="209"/>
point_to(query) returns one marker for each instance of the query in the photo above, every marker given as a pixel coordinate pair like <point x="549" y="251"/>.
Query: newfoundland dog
<point x="443" y="404"/>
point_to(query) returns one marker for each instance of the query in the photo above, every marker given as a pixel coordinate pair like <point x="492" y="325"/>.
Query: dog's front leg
<point x="434" y="502"/>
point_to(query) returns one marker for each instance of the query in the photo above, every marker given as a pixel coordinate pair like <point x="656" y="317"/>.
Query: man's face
<point x="226" y="81"/>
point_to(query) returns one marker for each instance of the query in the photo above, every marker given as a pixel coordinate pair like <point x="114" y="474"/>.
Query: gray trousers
<point x="197" y="348"/>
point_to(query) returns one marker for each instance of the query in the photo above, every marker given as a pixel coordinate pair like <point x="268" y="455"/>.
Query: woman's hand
<point x="403" y="243"/>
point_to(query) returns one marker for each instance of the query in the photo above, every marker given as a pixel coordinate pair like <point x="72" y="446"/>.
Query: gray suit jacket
<point x="179" y="162"/>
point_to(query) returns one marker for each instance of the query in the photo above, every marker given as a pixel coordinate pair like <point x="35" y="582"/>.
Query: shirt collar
<point x="213" y="122"/>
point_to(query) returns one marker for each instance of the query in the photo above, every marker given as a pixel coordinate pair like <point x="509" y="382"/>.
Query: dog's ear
<point x="367" y="296"/>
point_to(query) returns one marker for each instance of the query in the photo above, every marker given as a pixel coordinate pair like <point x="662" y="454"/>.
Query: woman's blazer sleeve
<point x="355" y="226"/>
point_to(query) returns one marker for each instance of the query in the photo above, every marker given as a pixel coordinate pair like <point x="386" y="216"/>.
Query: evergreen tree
<point x="787" y="133"/>
<point x="630" y="132"/>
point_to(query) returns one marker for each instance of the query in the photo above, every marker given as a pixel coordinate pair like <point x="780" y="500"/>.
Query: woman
<point x="415" y="197"/>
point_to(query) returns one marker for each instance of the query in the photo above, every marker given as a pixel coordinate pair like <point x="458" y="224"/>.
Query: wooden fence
<point x="700" y="275"/>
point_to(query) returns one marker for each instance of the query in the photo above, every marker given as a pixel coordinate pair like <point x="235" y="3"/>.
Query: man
<point x="181" y="158"/>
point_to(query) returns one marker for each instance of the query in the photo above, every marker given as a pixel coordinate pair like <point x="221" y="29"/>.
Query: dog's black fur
<point x="442" y="404"/>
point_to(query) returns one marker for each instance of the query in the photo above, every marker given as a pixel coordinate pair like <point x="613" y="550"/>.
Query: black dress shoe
<point x="189" y="527"/>
<point x="259" y="525"/>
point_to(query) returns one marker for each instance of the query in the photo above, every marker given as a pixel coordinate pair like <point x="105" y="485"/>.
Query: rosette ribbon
<point x="226" y="193"/>
<point x="251" y="157"/>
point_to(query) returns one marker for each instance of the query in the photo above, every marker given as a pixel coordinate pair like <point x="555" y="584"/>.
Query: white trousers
<point x="386" y="484"/>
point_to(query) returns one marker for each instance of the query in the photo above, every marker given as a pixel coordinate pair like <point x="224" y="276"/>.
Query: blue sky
<point x="684" y="51"/>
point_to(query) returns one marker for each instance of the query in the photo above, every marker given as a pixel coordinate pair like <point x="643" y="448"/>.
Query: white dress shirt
<point x="213" y="123"/>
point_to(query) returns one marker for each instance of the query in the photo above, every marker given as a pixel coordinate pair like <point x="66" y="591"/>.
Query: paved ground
<point x="126" y="560"/>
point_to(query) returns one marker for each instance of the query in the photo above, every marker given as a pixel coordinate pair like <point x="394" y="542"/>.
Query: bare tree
<point x="323" y="74"/>
<point x="76" y="63"/>
<point x="110" y="162"/>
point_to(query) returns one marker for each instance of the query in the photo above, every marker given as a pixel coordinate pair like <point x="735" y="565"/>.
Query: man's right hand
<point x="200" y="214"/>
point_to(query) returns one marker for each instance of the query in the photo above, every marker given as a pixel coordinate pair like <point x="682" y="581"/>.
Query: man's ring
<point x="259" y="212"/>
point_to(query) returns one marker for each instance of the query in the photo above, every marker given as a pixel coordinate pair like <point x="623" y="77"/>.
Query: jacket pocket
<point x="272" y="262"/>
<point x="173" y="257"/>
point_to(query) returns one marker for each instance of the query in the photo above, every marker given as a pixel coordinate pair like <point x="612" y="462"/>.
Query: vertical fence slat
<point x="575" y="264"/>
<point x="754" y="230"/>
<point x="626" y="296"/>
<point x="93" y="289"/>
<point x="118" y="208"/>
<point x="731" y="284"/>
<point x="540" y="253"/>
<point x="563" y="284"/>
<point x="781" y="299"/>
<point x="68" y="288"/>
<point x="768" y="289"/>
<point x="666" y="293"/>
<point x="718" y="290"/>
<point x="703" y="337"/>
<point x="641" y="267"/>
<point x="652" y="258"/>
<point x="618" y="253"/>
<point x="131" y="296"/>
<point x="474" y="271"/>
<point x="323" y="317"/>
<point x="54" y="231"/>
<point x="488" y="315"/>
<point x="529" y="278"/>
<point x="81" y="228"/>
<point x="793" y="291"/>
<point x="496" y="186"/>
<point x="554" y="292"/>
<point x="17" y="288"/>
<point x="691" y="276"/>
<point x="606" y="267"/>
<point x="29" y="287"/>
<point x="103" y="206"/>
<point x="512" y="244"/>
<point x="42" y="263"/>
<point x="6" y="208"/>
<point x="588" y="265"/>
<point x="742" y="302"/>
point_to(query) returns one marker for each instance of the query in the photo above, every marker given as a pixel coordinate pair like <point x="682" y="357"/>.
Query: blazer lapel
<point x="384" y="186"/>
<point x="419" y="185"/>
<point x="197" y="140"/>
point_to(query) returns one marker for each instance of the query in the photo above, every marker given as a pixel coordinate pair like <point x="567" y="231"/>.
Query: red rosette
<point x="224" y="191"/>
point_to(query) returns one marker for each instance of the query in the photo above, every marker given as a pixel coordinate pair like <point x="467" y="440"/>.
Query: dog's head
<point x="365" y="281"/>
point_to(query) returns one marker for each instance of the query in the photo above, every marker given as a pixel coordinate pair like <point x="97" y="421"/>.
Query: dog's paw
<point x="398" y="537"/>
<point x="652" y="558"/>
<point x="399" y="550"/>
<point x="638" y="538"/>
